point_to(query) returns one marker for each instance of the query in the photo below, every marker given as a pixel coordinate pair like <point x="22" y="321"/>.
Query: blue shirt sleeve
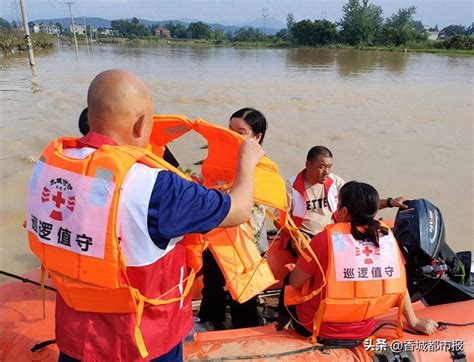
<point x="179" y="207"/>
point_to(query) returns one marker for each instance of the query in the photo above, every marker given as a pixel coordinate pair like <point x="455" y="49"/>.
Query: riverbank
<point x="429" y="47"/>
<point x="14" y="41"/>
<point x="458" y="52"/>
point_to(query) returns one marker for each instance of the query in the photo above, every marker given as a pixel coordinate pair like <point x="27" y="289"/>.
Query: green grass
<point x="13" y="40"/>
<point x="408" y="49"/>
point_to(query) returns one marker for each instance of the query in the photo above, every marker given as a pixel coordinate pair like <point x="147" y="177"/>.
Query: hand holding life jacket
<point x="245" y="271"/>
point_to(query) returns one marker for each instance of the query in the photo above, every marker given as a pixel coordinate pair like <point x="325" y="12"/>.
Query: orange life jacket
<point x="220" y="166"/>
<point x="87" y="282"/>
<point x="234" y="249"/>
<point x="361" y="281"/>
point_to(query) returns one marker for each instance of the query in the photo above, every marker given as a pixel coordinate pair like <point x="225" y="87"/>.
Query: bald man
<point x="155" y="208"/>
<point x="83" y="124"/>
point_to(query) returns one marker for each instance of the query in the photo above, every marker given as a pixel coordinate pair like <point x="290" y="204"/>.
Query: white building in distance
<point x="48" y="29"/>
<point x="80" y="29"/>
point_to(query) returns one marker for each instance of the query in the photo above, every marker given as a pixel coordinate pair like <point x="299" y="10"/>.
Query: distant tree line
<point x="195" y="30"/>
<point x="133" y="29"/>
<point x="362" y="24"/>
<point x="130" y="29"/>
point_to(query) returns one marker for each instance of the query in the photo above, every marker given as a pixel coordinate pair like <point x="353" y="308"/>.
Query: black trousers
<point x="215" y="298"/>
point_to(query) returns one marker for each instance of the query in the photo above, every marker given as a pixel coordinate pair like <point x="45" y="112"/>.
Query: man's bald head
<point x="120" y="106"/>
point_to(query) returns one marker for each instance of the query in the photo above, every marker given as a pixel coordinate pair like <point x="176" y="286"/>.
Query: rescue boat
<point x="25" y="335"/>
<point x="436" y="273"/>
<point x="27" y="312"/>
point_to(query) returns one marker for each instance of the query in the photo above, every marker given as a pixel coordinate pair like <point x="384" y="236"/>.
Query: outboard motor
<point x="434" y="271"/>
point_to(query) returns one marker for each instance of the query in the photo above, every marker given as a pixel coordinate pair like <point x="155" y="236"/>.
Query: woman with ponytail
<point x="359" y="204"/>
<point x="360" y="252"/>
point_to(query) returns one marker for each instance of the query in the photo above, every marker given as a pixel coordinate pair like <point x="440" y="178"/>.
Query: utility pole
<point x="265" y="14"/>
<point x="87" y="41"/>
<point x="29" y="47"/>
<point x="73" y="28"/>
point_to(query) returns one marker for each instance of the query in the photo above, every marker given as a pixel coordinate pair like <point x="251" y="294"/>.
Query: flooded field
<point x="402" y="122"/>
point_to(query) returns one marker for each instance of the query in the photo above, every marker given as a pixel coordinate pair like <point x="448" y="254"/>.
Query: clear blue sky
<point x="430" y="12"/>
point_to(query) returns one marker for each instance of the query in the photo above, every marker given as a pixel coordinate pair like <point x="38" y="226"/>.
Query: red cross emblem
<point x="367" y="251"/>
<point x="62" y="202"/>
<point x="58" y="199"/>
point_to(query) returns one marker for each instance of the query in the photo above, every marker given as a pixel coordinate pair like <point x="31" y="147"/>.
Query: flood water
<point x="399" y="121"/>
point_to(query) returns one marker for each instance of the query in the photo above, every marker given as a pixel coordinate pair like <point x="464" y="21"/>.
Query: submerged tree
<point x="129" y="29"/>
<point x="283" y="34"/>
<point x="199" y="30"/>
<point x="177" y="30"/>
<point x="318" y="32"/>
<point x="400" y="28"/>
<point x="218" y="34"/>
<point x="249" y="35"/>
<point x="360" y="22"/>
<point x="453" y="30"/>
<point x="290" y="21"/>
<point x="4" y="26"/>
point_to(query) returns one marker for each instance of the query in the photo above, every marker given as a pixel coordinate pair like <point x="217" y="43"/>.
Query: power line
<point x="56" y="7"/>
<point x="16" y="17"/>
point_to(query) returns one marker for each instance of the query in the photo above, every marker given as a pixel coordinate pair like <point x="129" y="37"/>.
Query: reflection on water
<point x="348" y="62"/>
<point x="353" y="62"/>
<point x="36" y="87"/>
<point x="310" y="58"/>
<point x="387" y="117"/>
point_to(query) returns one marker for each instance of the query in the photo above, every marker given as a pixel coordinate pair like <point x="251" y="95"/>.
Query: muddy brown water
<point x="399" y="121"/>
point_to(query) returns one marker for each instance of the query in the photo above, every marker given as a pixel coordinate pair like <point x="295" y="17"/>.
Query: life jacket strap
<point x="300" y="239"/>
<point x="137" y="332"/>
<point x="318" y="318"/>
<point x="141" y="300"/>
<point x="255" y="269"/>
<point x="307" y="253"/>
<point x="43" y="296"/>
<point x="295" y="318"/>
